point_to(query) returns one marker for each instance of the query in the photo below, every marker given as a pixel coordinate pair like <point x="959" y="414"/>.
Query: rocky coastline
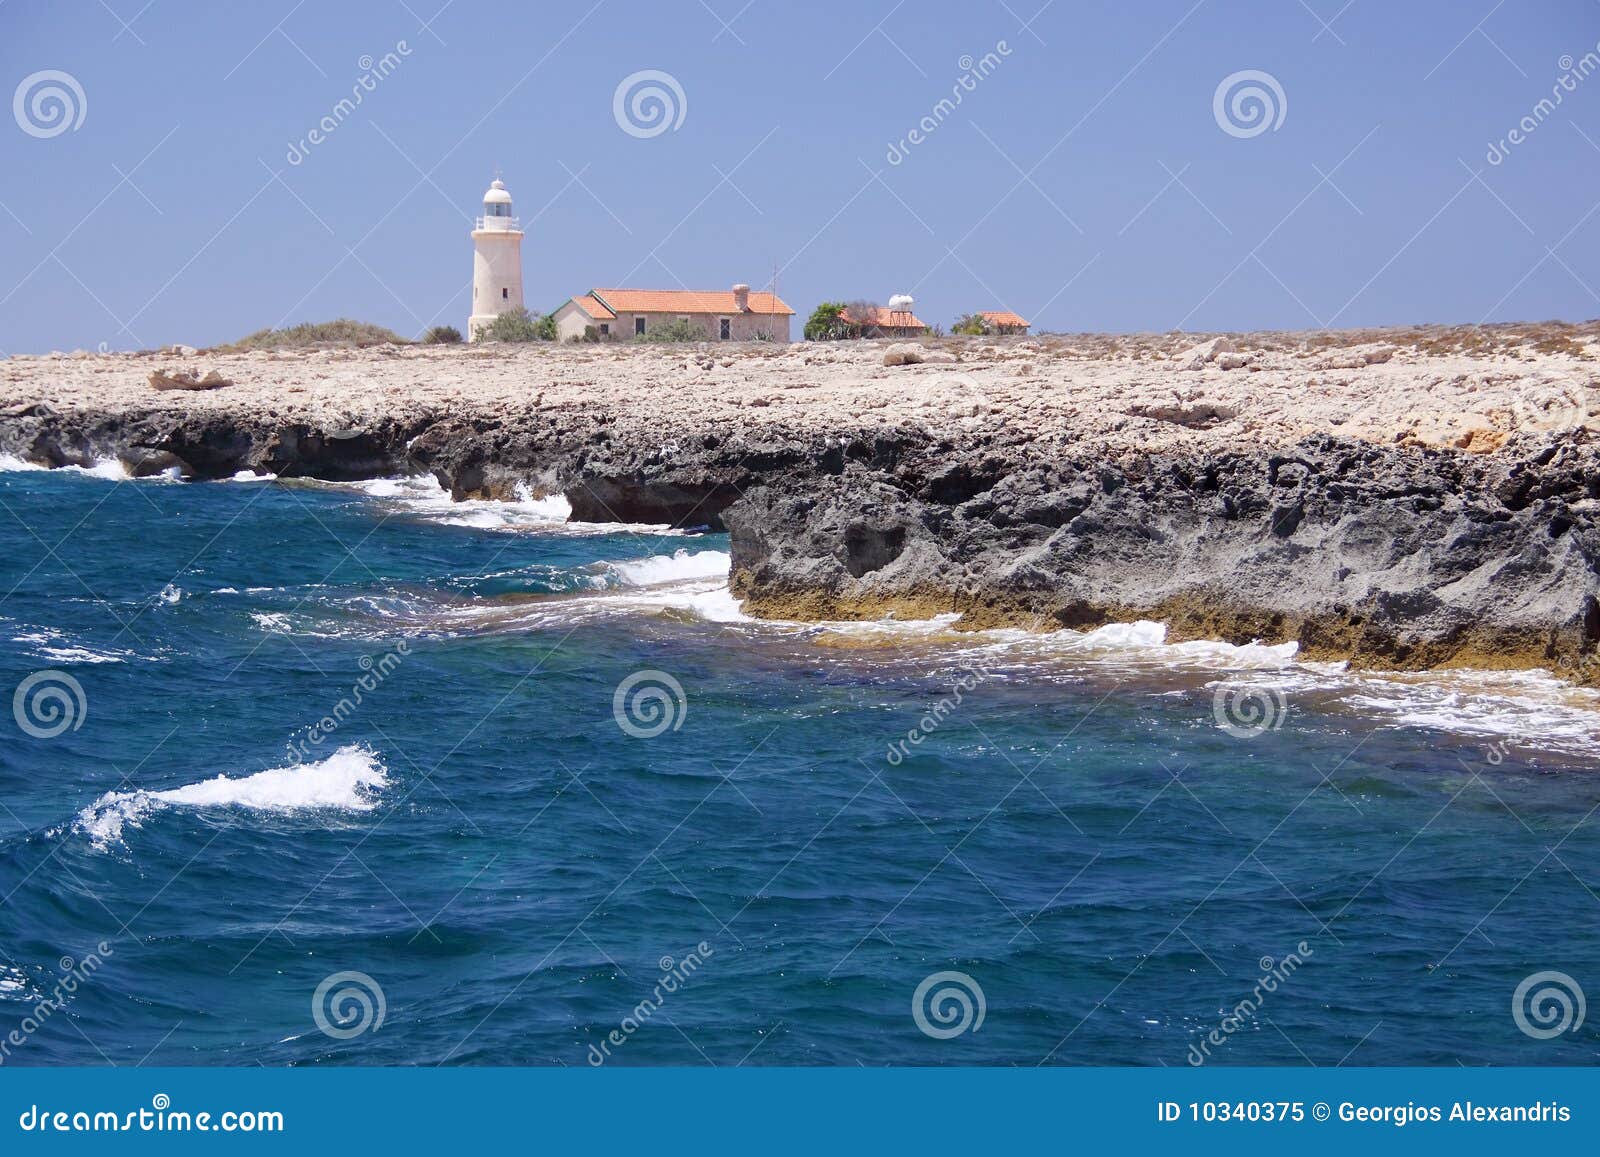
<point x="1400" y="499"/>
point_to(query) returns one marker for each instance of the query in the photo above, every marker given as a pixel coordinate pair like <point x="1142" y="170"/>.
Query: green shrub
<point x="827" y="323"/>
<point x="442" y="335"/>
<point x="971" y="324"/>
<point x="679" y="329"/>
<point x="309" y="335"/>
<point x="518" y="325"/>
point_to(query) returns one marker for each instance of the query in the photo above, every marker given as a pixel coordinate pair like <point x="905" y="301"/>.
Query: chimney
<point x="741" y="298"/>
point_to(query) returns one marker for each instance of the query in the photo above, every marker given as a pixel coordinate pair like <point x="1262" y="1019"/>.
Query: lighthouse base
<point x="477" y="321"/>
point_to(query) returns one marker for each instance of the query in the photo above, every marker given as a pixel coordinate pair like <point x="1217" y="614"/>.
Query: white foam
<point x="275" y="622"/>
<point x="111" y="469"/>
<point x="1515" y="708"/>
<point x="348" y="780"/>
<point x="423" y="496"/>
<point x="14" y="984"/>
<point x="57" y="647"/>
<point x="680" y="566"/>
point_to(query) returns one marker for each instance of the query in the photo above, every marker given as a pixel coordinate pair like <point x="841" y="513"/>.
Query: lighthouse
<point x="496" y="260"/>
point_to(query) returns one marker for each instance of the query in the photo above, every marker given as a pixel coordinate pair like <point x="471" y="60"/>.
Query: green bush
<point x="679" y="329"/>
<point x="518" y="325"/>
<point x="972" y="324"/>
<point x="308" y="335"/>
<point x="442" y="335"/>
<point x="827" y="323"/>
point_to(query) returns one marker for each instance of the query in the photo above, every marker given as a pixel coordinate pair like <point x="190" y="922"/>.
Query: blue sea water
<point x="305" y="773"/>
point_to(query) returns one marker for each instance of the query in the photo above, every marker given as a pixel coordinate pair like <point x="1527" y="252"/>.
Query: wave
<point x="422" y="496"/>
<point x="348" y="780"/>
<point x="55" y="646"/>
<point x="109" y="469"/>
<point x="1526" y="709"/>
<point x="680" y="566"/>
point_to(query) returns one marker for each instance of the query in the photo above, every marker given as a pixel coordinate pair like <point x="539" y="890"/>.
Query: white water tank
<point x="900" y="303"/>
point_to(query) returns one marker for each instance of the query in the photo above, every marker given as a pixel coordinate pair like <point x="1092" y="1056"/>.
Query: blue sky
<point x="1085" y="181"/>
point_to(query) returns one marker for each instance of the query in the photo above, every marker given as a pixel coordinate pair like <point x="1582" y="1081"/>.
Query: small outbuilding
<point x="735" y="314"/>
<point x="1003" y="321"/>
<point x="876" y="321"/>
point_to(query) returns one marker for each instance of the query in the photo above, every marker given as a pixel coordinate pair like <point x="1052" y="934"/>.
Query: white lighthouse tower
<point x="496" y="260"/>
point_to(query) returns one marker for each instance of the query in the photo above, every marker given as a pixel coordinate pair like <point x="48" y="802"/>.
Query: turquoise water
<point x="1095" y="832"/>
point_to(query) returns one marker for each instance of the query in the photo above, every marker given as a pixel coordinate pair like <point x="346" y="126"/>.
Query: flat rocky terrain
<point x="1401" y="497"/>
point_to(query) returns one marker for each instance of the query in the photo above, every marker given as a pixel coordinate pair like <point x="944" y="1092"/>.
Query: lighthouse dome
<point x="497" y="194"/>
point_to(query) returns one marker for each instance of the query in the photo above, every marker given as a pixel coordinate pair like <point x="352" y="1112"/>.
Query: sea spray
<point x="347" y="780"/>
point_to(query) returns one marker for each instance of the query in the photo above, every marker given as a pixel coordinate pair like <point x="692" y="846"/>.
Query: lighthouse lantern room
<point x="496" y="260"/>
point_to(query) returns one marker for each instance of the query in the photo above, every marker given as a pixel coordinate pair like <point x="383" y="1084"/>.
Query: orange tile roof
<point x="685" y="301"/>
<point x="593" y="307"/>
<point x="887" y="319"/>
<point x="1002" y="317"/>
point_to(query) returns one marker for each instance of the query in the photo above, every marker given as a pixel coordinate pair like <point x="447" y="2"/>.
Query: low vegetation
<point x="442" y="335"/>
<point x="827" y="323"/>
<point x="518" y="325"/>
<point x="317" y="335"/>
<point x="676" y="330"/>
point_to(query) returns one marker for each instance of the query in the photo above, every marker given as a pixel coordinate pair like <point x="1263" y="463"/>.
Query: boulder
<point x="1198" y="357"/>
<point x="186" y="380"/>
<point x="907" y="353"/>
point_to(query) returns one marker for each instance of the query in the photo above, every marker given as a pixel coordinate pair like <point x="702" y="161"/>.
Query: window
<point x="605" y="329"/>
<point x="724" y="328"/>
<point x="498" y="209"/>
<point x="638" y="326"/>
<point x="505" y="293"/>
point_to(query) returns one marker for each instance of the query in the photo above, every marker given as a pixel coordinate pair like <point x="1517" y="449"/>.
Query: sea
<point x="305" y="773"/>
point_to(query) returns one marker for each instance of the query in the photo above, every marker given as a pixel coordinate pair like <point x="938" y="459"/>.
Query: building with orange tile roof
<point x="1004" y="321"/>
<point x="877" y="321"/>
<point x="735" y="314"/>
